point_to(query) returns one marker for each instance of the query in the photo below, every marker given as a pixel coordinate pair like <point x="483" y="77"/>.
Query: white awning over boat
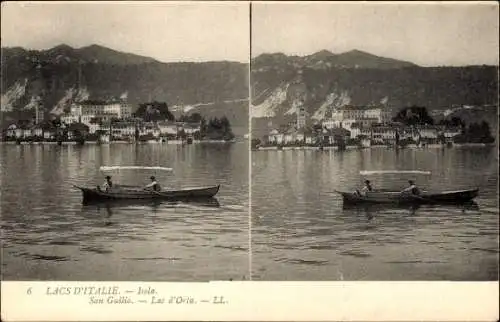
<point x="121" y="167"/>
<point x="370" y="172"/>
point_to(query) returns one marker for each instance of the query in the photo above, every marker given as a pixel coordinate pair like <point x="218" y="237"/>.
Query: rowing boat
<point x="137" y="193"/>
<point x="121" y="192"/>
<point x="396" y="197"/>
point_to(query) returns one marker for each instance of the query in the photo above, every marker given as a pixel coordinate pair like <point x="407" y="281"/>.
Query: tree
<point x="484" y="130"/>
<point x="226" y="128"/>
<point x="413" y="115"/>
<point x="255" y="143"/>
<point x="191" y="118"/>
<point x="456" y="121"/>
<point x="217" y="129"/>
<point x="203" y="127"/>
<point x="57" y="122"/>
<point x="154" y="111"/>
<point x="476" y="133"/>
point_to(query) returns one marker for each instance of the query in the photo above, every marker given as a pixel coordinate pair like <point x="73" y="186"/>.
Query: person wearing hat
<point x="412" y="188"/>
<point x="108" y="184"/>
<point x="153" y="185"/>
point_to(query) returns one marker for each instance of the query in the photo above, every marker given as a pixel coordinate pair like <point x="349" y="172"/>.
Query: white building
<point x="383" y="133"/>
<point x="191" y="128"/>
<point x="346" y="116"/>
<point x="123" y="129"/>
<point x="94" y="126"/>
<point x="11" y="130"/>
<point x="356" y="130"/>
<point x="167" y="128"/>
<point x="149" y="128"/>
<point x="23" y="132"/>
<point x="275" y="137"/>
<point x="49" y="134"/>
<point x="301" y="117"/>
<point x="125" y="110"/>
<point x="118" y="109"/>
<point x="39" y="114"/>
<point x="88" y="119"/>
<point x="37" y="130"/>
<point x="428" y="132"/>
<point x="70" y="118"/>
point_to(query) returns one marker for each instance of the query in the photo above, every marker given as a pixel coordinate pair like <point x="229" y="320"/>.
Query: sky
<point x="165" y="31"/>
<point x="430" y="34"/>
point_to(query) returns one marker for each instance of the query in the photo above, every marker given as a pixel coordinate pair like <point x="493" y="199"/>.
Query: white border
<point x="269" y="301"/>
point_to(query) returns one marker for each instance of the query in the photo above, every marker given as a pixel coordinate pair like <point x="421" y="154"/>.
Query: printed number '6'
<point x="29" y="291"/>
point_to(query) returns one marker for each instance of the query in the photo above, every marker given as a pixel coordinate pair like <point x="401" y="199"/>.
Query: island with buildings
<point x="366" y="126"/>
<point x="105" y="121"/>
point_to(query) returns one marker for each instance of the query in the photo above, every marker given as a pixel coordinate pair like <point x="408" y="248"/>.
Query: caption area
<point x="111" y="294"/>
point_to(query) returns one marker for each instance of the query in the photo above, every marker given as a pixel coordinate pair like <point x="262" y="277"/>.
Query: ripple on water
<point x="96" y="250"/>
<point x="175" y="239"/>
<point x="49" y="257"/>
<point x="322" y="247"/>
<point x="131" y="237"/>
<point x="237" y="248"/>
<point x="302" y="261"/>
<point x="153" y="258"/>
<point x="63" y="242"/>
<point x="355" y="254"/>
<point x="234" y="207"/>
<point x="487" y="250"/>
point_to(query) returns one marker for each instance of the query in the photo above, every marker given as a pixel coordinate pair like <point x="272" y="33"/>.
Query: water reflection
<point x="372" y="210"/>
<point x="150" y="203"/>
<point x="412" y="208"/>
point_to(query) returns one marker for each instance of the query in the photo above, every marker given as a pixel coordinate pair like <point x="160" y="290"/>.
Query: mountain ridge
<point x="62" y="74"/>
<point x="83" y="54"/>
<point x="325" y="59"/>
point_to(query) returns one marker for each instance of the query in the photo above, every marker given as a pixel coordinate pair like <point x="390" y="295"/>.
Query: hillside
<point x="63" y="74"/>
<point x="277" y="90"/>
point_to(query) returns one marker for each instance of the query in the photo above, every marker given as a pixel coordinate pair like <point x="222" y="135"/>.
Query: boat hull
<point x="461" y="196"/>
<point x="93" y="194"/>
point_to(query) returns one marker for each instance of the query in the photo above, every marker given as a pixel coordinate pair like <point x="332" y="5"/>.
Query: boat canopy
<point x="121" y="167"/>
<point x="369" y="172"/>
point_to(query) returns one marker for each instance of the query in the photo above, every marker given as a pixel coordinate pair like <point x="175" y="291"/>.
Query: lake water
<point x="49" y="235"/>
<point x="301" y="231"/>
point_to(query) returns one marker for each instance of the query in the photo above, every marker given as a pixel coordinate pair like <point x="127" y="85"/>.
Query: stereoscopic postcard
<point x="249" y="160"/>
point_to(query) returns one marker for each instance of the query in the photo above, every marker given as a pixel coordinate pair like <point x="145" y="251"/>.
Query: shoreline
<point x="172" y="142"/>
<point x="389" y="147"/>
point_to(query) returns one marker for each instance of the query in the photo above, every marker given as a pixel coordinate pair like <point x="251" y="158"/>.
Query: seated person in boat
<point x="412" y="188"/>
<point x="366" y="188"/>
<point x="108" y="184"/>
<point x="153" y="185"/>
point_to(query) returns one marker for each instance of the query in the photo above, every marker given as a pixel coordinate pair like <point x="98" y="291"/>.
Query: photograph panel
<point x="124" y="152"/>
<point x="374" y="141"/>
